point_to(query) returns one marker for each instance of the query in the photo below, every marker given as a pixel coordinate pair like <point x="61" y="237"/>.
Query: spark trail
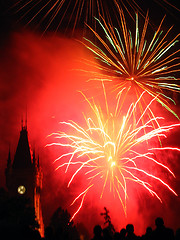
<point x="108" y="150"/>
<point x="56" y="15"/>
<point x="59" y="13"/>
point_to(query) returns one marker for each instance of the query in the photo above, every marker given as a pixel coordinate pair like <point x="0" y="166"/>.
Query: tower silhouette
<point x="24" y="175"/>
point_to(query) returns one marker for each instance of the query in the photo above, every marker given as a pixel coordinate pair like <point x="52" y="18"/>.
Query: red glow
<point x="45" y="80"/>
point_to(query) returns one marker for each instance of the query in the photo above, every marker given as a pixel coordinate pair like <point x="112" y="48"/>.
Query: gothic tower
<point x="24" y="176"/>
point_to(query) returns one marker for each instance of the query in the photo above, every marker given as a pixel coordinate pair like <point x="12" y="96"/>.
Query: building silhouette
<point x="24" y="176"/>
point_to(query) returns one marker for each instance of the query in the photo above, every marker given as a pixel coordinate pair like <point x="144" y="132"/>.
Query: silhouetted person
<point x="148" y="234"/>
<point x="130" y="233"/>
<point x="97" y="233"/>
<point x="122" y="234"/>
<point x="161" y="232"/>
<point x="107" y="234"/>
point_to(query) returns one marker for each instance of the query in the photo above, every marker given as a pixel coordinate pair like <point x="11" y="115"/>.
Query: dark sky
<point x="39" y="74"/>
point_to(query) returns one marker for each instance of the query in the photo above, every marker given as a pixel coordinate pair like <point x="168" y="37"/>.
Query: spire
<point x="22" y="158"/>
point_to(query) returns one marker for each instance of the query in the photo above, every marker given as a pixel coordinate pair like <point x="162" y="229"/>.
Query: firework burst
<point x="127" y="59"/>
<point x="107" y="152"/>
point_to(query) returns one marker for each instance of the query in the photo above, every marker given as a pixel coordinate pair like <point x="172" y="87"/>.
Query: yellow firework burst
<point x="106" y="150"/>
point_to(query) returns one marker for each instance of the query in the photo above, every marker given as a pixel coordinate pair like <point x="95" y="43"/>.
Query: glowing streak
<point x="51" y="13"/>
<point x="152" y="159"/>
<point x="84" y="194"/>
<point x="166" y="148"/>
<point x="150" y="175"/>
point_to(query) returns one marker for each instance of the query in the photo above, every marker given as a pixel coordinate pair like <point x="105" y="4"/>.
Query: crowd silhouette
<point x="161" y="232"/>
<point x="18" y="221"/>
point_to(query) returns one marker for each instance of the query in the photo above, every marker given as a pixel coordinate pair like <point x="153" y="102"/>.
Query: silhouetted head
<point x="97" y="230"/>
<point x="148" y="230"/>
<point x="107" y="233"/>
<point x="130" y="228"/>
<point x="123" y="232"/>
<point x="159" y="222"/>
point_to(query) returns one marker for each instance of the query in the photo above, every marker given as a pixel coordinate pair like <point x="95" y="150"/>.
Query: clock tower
<point x="24" y="176"/>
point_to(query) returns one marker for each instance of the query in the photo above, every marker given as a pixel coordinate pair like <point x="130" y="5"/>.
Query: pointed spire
<point x="22" y="158"/>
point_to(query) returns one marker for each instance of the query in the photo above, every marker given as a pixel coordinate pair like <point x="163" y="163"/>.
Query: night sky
<point x="40" y="74"/>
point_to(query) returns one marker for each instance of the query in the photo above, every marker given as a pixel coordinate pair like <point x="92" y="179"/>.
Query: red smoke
<point x="41" y="75"/>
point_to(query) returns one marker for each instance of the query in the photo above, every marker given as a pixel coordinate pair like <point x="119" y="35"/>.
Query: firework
<point x="127" y="59"/>
<point x="107" y="150"/>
